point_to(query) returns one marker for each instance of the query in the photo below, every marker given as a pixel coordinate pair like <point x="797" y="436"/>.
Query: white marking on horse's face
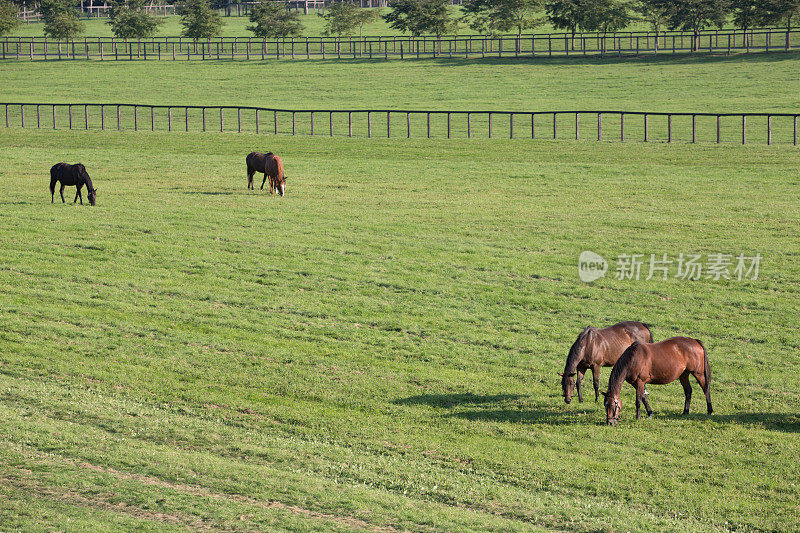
<point x="281" y="188"/>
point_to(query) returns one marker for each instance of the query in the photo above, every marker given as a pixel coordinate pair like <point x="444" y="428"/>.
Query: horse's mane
<point x="575" y="350"/>
<point x="620" y="369"/>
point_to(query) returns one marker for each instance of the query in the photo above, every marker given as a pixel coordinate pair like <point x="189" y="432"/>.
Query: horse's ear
<point x="572" y="374"/>
<point x="561" y="374"/>
<point x="604" y="393"/>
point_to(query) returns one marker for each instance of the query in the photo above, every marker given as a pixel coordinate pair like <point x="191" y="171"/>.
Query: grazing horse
<point x="71" y="175"/>
<point x="658" y="363"/>
<point x="274" y="171"/>
<point x="596" y="347"/>
<point x="256" y="162"/>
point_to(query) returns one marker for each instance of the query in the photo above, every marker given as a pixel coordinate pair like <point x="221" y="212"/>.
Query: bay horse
<point x="596" y="347"/>
<point x="658" y="364"/>
<point x="70" y="175"/>
<point x="271" y="166"/>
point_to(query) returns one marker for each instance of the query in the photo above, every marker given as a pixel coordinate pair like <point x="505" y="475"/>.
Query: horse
<point x="596" y="347"/>
<point x="71" y="175"/>
<point x="271" y="166"/>
<point x="256" y="162"/>
<point x="274" y="171"/>
<point x="658" y="363"/>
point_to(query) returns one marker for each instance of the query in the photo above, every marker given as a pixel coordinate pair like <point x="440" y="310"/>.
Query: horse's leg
<point x="250" y="178"/>
<point x="62" y="193"/>
<point x="263" y="182"/>
<point x="596" y="382"/>
<point x="578" y="381"/>
<point x="687" y="390"/>
<point x="78" y="194"/>
<point x="706" y="386"/>
<point x="639" y="386"/>
<point x="645" y="402"/>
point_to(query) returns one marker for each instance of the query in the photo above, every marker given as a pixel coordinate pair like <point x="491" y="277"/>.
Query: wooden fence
<point x="398" y="47"/>
<point x="765" y="128"/>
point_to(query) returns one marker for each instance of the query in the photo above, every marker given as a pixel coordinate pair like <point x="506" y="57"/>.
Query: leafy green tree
<point x="694" y="15"/>
<point x="129" y="20"/>
<point x="605" y="15"/>
<point x="198" y="19"/>
<point x="420" y="16"/>
<point x="8" y="17"/>
<point x="60" y="19"/>
<point x="503" y="15"/>
<point x="657" y="16"/>
<point x="566" y="15"/>
<point x="272" y="19"/>
<point x="781" y="12"/>
<point x="480" y="15"/>
<point x="343" y="18"/>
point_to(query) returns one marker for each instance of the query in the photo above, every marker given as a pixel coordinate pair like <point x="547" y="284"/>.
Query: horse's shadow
<point x="786" y="422"/>
<point x="507" y="408"/>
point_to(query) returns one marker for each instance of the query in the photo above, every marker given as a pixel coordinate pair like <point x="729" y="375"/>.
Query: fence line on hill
<point x="400" y="47"/>
<point x="600" y="125"/>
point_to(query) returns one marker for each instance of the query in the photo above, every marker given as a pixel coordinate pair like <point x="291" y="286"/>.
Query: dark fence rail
<point x="399" y="47"/>
<point x="765" y="128"/>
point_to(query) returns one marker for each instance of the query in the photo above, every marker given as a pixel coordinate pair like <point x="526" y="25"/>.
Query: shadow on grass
<point x="786" y="422"/>
<point x="210" y="193"/>
<point x="453" y="400"/>
<point x="541" y="416"/>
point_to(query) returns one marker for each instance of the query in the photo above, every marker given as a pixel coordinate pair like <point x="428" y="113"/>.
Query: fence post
<point x="718" y="130"/>
<point x="769" y="129"/>
<point x="294" y="123"/>
<point x="388" y="125"/>
<point x="275" y="120"/>
<point x="369" y="123"/>
<point x="119" y="118"/>
<point x="330" y="122"/>
<point x="622" y="126"/>
<point x="429" y="115"/>
<point x="153" y="118"/>
<point x="38" y="117"/>
<point x="169" y="119"/>
<point x="469" y="125"/>
<point x="349" y="123"/>
<point x="258" y="119"/>
<point x="204" y="116"/>
<point x="795" y="131"/>
<point x="8" y="123"/>
<point x="577" y="125"/>
<point x="490" y="125"/>
<point x="555" y="131"/>
<point x="312" y="123"/>
<point x="221" y="120"/>
<point x="186" y="109"/>
<point x="408" y="119"/>
<point x="669" y="126"/>
<point x="600" y="126"/>
<point x="54" y="116"/>
<point x="70" y="115"/>
<point x="744" y="129"/>
<point x="135" y="118"/>
<point x="22" y="114"/>
<point x="533" y="126"/>
<point x="448" y="124"/>
<point x="239" y="118"/>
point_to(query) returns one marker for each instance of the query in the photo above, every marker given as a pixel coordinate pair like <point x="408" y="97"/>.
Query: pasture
<point x="378" y="350"/>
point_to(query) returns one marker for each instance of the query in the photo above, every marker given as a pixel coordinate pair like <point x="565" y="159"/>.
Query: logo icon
<point x="591" y="266"/>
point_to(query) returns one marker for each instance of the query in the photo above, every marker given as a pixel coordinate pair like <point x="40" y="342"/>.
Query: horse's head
<point x="613" y="408"/>
<point x="92" y="193"/>
<point x="567" y="385"/>
<point x="282" y="186"/>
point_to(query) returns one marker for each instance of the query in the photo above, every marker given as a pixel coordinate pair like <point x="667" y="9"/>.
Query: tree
<point x="605" y="15"/>
<point x="694" y="15"/>
<point x="272" y="19"/>
<point x="420" y="16"/>
<point x="129" y="20"/>
<point x="8" y="17"/>
<point x="780" y="12"/>
<point x="503" y="15"/>
<point x="655" y="15"/>
<point x="566" y="15"/>
<point x="198" y="19"/>
<point x="60" y="19"/>
<point x="343" y="18"/>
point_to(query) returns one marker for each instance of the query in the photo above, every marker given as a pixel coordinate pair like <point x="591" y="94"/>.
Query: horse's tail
<point x="649" y="332"/>
<point x="706" y="366"/>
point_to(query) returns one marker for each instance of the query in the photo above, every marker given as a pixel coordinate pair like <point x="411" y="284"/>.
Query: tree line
<point x="272" y="19"/>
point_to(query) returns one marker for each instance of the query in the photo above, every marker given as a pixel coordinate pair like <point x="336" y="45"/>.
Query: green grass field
<point x="379" y="349"/>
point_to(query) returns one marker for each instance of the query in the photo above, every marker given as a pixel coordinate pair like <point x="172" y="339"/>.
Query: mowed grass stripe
<point x="393" y="327"/>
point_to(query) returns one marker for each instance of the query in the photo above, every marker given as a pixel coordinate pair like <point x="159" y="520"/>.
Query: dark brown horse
<point x="70" y="175"/>
<point x="256" y="162"/>
<point x="658" y="363"/>
<point x="596" y="347"/>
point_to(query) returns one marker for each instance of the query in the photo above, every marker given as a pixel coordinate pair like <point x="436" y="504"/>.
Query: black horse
<point x="71" y="175"/>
